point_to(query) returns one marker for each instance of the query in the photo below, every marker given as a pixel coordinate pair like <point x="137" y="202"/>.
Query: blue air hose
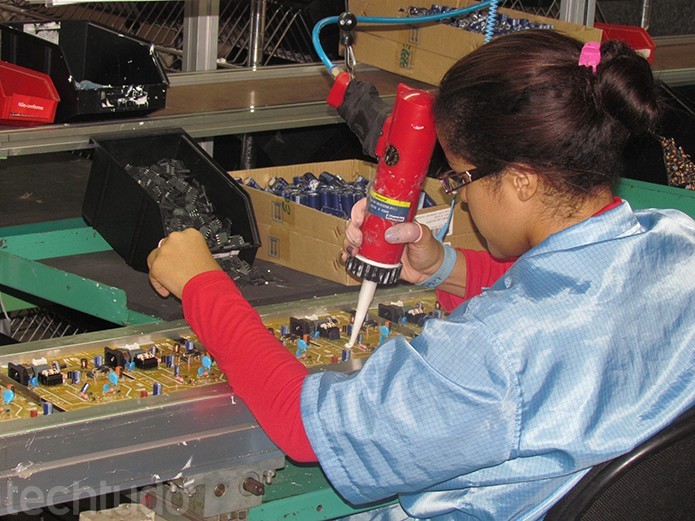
<point x="406" y="21"/>
<point x="491" y="20"/>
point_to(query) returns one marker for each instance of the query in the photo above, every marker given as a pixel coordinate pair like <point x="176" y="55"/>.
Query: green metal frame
<point x="304" y="494"/>
<point x="22" y="246"/>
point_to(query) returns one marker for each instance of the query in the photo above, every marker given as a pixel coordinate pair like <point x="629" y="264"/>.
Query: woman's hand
<point x="422" y="256"/>
<point x="178" y="258"/>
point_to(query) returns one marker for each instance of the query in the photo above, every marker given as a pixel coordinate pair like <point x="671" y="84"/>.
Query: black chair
<point x="653" y="482"/>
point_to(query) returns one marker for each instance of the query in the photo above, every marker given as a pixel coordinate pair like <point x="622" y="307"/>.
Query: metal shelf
<point x="214" y="103"/>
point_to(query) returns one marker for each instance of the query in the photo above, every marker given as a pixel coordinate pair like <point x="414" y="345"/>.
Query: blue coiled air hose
<point x="489" y="31"/>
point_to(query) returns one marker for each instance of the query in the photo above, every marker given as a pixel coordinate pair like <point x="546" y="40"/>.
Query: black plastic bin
<point x="131" y="219"/>
<point x="96" y="71"/>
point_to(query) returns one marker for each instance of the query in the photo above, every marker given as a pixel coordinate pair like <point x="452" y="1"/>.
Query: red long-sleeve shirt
<point x="259" y="368"/>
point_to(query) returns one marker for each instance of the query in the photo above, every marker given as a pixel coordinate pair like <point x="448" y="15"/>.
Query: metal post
<point x="646" y="14"/>
<point x="580" y="12"/>
<point x="201" y="20"/>
<point x="255" y="58"/>
<point x="257" y="33"/>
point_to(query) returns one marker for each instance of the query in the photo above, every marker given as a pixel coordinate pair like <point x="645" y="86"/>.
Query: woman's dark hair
<point x="523" y="99"/>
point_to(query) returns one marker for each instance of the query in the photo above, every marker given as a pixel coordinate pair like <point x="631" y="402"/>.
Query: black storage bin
<point x="96" y="71"/>
<point x="131" y="219"/>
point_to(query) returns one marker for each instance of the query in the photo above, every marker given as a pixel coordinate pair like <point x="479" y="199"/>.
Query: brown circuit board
<point x="127" y="370"/>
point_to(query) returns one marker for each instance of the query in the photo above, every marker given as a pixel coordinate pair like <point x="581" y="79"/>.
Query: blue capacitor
<point x="277" y="185"/>
<point x="313" y="200"/>
<point x="106" y="388"/>
<point x="361" y="182"/>
<point x="98" y="361"/>
<point x="301" y="345"/>
<point x="76" y="377"/>
<point x="384" y="331"/>
<point x="157" y="389"/>
<point x="332" y="180"/>
<point x="337" y="212"/>
<point x="311" y="181"/>
<point x="47" y="408"/>
<point x="201" y="371"/>
<point x="190" y="345"/>
<point x="113" y="378"/>
<point x="251" y="183"/>
<point x="324" y="197"/>
<point x="206" y="361"/>
<point x="300" y="198"/>
<point x="347" y="201"/>
<point x="8" y="396"/>
<point x="34" y="381"/>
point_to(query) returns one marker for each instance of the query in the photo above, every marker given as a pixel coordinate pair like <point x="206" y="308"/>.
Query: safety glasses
<point x="452" y="180"/>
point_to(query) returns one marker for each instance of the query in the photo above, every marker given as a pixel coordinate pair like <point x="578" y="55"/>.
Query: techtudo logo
<point x="62" y="500"/>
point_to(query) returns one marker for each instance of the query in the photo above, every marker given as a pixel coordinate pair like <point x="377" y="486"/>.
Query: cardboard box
<point x="310" y="241"/>
<point x="426" y="51"/>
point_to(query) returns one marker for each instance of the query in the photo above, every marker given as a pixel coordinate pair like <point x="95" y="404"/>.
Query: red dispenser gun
<point x="404" y="151"/>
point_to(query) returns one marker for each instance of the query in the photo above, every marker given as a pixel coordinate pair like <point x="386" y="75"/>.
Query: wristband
<point x="444" y="270"/>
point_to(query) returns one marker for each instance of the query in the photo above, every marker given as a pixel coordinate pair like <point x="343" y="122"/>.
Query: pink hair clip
<point x="590" y="55"/>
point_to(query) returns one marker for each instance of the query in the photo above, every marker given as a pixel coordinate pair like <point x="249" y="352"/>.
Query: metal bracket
<point x="222" y="494"/>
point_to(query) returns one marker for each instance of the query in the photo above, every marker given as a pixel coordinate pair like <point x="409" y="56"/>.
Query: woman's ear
<point x="524" y="182"/>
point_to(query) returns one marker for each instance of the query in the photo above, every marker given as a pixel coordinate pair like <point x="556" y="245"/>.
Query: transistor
<point x="392" y="312"/>
<point x="184" y="202"/>
<point x="19" y="373"/>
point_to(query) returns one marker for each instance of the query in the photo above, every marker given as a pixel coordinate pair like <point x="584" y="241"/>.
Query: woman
<point x="580" y="349"/>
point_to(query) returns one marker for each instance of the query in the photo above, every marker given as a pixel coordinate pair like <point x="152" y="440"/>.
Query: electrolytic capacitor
<point x="346" y="355"/>
<point x="313" y="200"/>
<point x="177" y="370"/>
<point x="47" y="408"/>
<point x="98" y="361"/>
<point x="156" y="389"/>
<point x="190" y="345"/>
<point x="76" y="376"/>
<point x="347" y="201"/>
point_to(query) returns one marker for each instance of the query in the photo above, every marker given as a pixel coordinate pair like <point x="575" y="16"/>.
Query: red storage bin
<point x="636" y="37"/>
<point x="27" y="97"/>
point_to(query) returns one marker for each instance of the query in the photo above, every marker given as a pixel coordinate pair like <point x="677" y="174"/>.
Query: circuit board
<point x="137" y="369"/>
